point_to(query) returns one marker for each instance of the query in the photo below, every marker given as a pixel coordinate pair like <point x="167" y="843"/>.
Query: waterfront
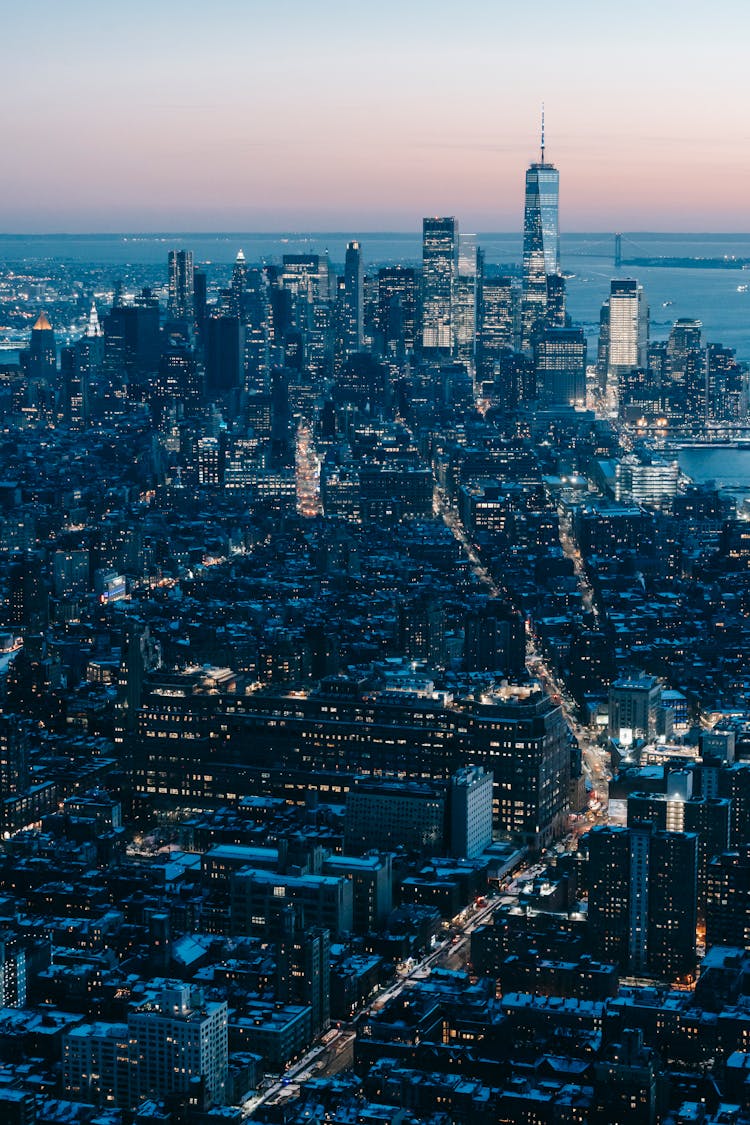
<point x="727" y="466"/>
<point x="714" y="296"/>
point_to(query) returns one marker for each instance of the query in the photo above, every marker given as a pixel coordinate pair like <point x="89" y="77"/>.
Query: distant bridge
<point x="728" y="262"/>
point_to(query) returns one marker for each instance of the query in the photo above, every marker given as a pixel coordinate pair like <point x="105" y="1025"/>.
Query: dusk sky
<point x="336" y="115"/>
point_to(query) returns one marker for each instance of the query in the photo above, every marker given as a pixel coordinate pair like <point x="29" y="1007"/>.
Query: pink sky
<point x="244" y="115"/>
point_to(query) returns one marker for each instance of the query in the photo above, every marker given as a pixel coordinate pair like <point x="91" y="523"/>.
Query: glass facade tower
<point x="439" y="268"/>
<point x="541" y="243"/>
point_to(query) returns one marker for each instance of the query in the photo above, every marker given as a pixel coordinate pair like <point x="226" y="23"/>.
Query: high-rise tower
<point x="353" y="299"/>
<point x="439" y="268"/>
<point x="42" y="353"/>
<point x="541" y="241"/>
<point x="181" y="304"/>
<point x="624" y="331"/>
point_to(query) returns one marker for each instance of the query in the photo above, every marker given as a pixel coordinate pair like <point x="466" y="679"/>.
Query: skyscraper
<point x="541" y="242"/>
<point x="465" y="302"/>
<point x="397" y="308"/>
<point x="181" y="300"/>
<point x="625" y="335"/>
<point x="225" y="353"/>
<point x="353" y="299"/>
<point x="560" y="360"/>
<point x="238" y="285"/>
<point x="439" y="267"/>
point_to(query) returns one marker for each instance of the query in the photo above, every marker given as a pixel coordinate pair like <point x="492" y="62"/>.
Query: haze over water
<point x="710" y="295"/>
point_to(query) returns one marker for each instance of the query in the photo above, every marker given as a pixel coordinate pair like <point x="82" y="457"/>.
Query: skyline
<point x="194" y="121"/>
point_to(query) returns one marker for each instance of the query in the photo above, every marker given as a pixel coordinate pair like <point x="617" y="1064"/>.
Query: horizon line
<point x="310" y="232"/>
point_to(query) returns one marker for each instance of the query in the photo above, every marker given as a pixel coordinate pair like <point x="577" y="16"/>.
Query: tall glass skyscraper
<point x="628" y="327"/>
<point x="439" y="268"/>
<point x="541" y="242"/>
<point x="181" y="302"/>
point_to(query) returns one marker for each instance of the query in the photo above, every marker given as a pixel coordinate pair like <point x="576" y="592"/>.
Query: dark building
<point x="28" y="593"/>
<point x="726" y="399"/>
<point x="518" y="734"/>
<point x="422" y="629"/>
<point x="677" y="811"/>
<point x="353" y="299"/>
<point x="41" y="358"/>
<point x="728" y="899"/>
<point x="131" y="336"/>
<point x="200" y="297"/>
<point x="494" y="639"/>
<point x="14" y="756"/>
<point x="225" y="354"/>
<point x="388" y="815"/>
<point x="560" y="362"/>
<point x="556" y="297"/>
<point x="178" y="380"/>
<point x="303" y="965"/>
<point x="643" y="899"/>
<point x="397" y="309"/>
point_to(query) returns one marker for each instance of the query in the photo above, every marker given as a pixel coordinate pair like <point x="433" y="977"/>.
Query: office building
<point x="649" y="480"/>
<point x="28" y="592"/>
<point x="625" y="331"/>
<point x="496" y="323"/>
<point x="519" y="733"/>
<point x="397" y="309"/>
<point x="132" y="343"/>
<point x="685" y="339"/>
<point x="178" y="380"/>
<point x="556" y="301"/>
<point x="181" y="285"/>
<point x="12" y="973"/>
<point x="439" y="269"/>
<point x="465" y="303"/>
<point x="678" y="811"/>
<point x="421" y="624"/>
<point x="560" y="363"/>
<point x="388" y="815"/>
<point x="238" y="286"/>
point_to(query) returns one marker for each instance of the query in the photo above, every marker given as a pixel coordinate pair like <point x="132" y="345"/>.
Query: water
<point x="707" y="294"/>
<point x="728" y="468"/>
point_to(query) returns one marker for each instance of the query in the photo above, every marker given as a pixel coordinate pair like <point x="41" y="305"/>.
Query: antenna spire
<point x="542" y="132"/>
